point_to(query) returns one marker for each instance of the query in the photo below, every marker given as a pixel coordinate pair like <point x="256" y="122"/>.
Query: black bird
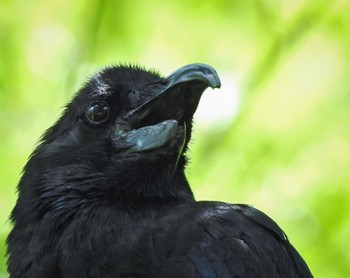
<point x="105" y="195"/>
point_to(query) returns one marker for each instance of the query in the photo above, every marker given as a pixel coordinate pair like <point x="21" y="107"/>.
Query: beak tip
<point x="213" y="81"/>
<point x="199" y="72"/>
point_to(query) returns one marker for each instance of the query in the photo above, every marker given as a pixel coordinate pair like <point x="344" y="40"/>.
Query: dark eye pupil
<point x="97" y="112"/>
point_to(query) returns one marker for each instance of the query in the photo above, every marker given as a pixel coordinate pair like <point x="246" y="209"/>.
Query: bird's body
<point x="105" y="194"/>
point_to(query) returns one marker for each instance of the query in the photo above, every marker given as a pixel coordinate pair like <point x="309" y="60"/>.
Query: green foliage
<point x="286" y="151"/>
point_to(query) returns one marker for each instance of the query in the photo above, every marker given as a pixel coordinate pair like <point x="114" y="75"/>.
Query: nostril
<point x="134" y="98"/>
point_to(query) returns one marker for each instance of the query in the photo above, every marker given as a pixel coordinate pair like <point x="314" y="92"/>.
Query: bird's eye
<point x="97" y="112"/>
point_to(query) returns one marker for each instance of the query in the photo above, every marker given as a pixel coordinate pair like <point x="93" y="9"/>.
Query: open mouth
<point x="165" y="120"/>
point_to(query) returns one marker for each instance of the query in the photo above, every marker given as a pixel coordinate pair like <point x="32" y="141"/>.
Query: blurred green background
<point x="276" y="136"/>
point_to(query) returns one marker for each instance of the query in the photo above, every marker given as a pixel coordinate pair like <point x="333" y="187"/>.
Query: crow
<point x="104" y="194"/>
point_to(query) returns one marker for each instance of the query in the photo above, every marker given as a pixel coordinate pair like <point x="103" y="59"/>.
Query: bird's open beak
<point x="156" y="122"/>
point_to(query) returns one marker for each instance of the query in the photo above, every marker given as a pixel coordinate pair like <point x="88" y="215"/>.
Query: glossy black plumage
<point x="105" y="194"/>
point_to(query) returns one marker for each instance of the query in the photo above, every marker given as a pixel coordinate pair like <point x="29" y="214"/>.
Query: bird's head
<point x="122" y="137"/>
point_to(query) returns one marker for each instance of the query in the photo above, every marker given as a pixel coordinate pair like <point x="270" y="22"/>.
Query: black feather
<point x="109" y="198"/>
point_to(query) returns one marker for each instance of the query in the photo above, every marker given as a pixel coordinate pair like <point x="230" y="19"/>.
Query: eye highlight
<point x="97" y="112"/>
